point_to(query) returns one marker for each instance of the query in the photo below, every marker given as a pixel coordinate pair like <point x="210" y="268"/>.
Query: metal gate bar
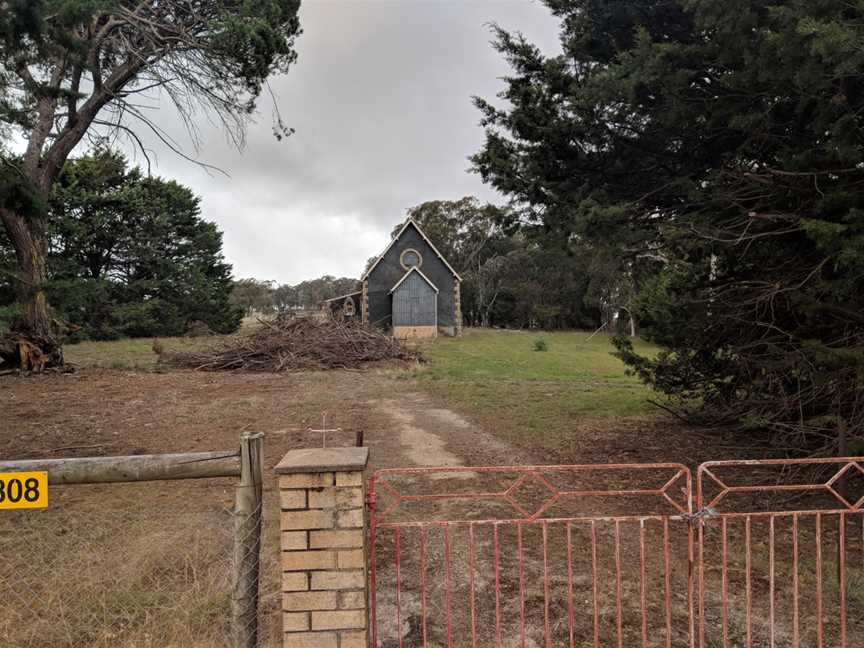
<point x="514" y="518"/>
<point x="798" y="501"/>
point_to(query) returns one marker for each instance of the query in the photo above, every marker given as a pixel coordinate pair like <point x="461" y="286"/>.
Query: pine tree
<point x="719" y="146"/>
<point x="131" y="255"/>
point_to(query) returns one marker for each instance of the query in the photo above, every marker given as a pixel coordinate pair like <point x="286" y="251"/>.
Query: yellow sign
<point x="24" y="490"/>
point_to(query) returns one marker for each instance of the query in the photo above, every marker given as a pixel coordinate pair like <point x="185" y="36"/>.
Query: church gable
<point x="409" y="233"/>
<point x="415" y="306"/>
<point x="410" y="252"/>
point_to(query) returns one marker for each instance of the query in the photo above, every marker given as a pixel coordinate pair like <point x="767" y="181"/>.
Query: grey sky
<point x="380" y="100"/>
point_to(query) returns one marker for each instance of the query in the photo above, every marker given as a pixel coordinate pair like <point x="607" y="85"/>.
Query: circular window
<point x="410" y="259"/>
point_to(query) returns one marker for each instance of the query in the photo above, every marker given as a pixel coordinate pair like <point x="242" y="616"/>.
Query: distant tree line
<point x="256" y="296"/>
<point x="510" y="278"/>
<point x="128" y="255"/>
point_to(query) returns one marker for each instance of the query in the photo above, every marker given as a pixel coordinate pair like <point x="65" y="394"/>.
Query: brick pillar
<point x="324" y="592"/>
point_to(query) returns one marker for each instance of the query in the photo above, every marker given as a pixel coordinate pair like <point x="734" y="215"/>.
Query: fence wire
<point x="143" y="565"/>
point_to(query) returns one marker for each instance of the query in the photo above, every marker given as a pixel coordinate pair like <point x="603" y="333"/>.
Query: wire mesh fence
<point x="141" y="565"/>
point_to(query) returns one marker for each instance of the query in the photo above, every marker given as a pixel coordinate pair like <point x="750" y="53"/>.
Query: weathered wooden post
<point x="247" y="543"/>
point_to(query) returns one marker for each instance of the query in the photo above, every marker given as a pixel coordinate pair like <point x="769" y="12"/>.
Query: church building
<point x="411" y="288"/>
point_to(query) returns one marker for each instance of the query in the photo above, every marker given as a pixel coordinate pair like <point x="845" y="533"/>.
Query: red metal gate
<point x="764" y="553"/>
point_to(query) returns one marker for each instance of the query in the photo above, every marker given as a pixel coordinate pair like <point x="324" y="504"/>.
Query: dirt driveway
<point x="420" y="432"/>
<point x="100" y="412"/>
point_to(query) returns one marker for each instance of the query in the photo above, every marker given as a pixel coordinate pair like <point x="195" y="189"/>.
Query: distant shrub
<point x="153" y="317"/>
<point x="540" y="344"/>
<point x="197" y="328"/>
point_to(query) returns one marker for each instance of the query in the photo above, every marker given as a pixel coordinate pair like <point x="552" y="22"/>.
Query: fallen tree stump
<point x="294" y="343"/>
<point x="26" y="353"/>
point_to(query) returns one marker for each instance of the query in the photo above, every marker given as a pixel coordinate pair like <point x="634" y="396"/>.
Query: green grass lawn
<point x="137" y="353"/>
<point x="133" y="353"/>
<point x="499" y="376"/>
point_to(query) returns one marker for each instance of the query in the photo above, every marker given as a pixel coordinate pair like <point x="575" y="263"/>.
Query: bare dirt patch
<point x="151" y="528"/>
<point x="109" y="412"/>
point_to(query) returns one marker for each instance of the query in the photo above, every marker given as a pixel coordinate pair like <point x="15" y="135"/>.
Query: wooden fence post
<point x="247" y="543"/>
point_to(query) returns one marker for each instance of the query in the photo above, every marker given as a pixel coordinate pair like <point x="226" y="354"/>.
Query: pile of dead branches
<point x="292" y="343"/>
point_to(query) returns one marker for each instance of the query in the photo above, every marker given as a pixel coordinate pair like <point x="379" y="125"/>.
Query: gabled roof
<point x="417" y="270"/>
<point x="351" y="294"/>
<point x="408" y="222"/>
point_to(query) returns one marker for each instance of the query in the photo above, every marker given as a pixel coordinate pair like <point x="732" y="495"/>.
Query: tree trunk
<point x="31" y="344"/>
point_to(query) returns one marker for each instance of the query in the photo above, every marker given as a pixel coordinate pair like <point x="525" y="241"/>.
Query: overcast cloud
<point x="380" y="100"/>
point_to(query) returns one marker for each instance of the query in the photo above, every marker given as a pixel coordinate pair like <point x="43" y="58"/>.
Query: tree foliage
<point x="508" y="279"/>
<point x="715" y="150"/>
<point x="265" y="297"/>
<point x="72" y="68"/>
<point x="253" y="296"/>
<point x="310" y="293"/>
<point x="130" y="255"/>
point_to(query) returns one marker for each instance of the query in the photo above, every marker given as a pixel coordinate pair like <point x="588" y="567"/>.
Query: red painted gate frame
<point x="705" y="512"/>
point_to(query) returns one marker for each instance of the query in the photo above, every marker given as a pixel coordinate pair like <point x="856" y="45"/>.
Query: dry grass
<point x="137" y="353"/>
<point x="132" y="354"/>
<point x="95" y="570"/>
<point x="98" y="571"/>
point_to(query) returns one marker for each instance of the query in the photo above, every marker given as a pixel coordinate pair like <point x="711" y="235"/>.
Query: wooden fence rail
<point x="135" y="468"/>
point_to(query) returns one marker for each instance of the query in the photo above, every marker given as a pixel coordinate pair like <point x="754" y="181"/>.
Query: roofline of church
<point x="410" y="221"/>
